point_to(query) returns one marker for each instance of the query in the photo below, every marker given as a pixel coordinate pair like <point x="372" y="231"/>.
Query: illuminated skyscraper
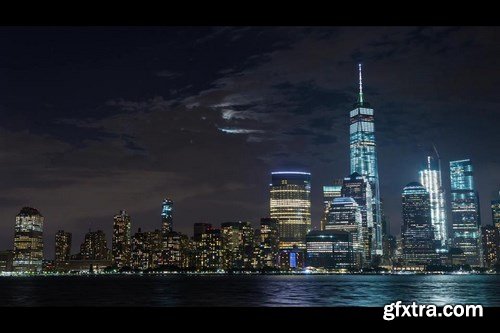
<point x="28" y="241"/>
<point x="329" y="249"/>
<point x="94" y="246"/>
<point x="465" y="211"/>
<point x="210" y="250"/>
<point x="146" y="249"/>
<point x="63" y="248"/>
<point x="290" y="204"/>
<point x="121" y="244"/>
<point x="364" y="158"/>
<point x="237" y="245"/>
<point x="358" y="188"/>
<point x="495" y="211"/>
<point x="345" y="215"/>
<point x="490" y="240"/>
<point x="417" y="232"/>
<point x="269" y="242"/>
<point x="330" y="192"/>
<point x="430" y="178"/>
<point x="167" y="209"/>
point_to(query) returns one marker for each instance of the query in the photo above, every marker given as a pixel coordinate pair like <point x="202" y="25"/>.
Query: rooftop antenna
<point x="439" y="164"/>
<point x="360" y="85"/>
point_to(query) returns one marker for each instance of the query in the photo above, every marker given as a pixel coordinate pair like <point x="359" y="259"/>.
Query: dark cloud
<point x="99" y="119"/>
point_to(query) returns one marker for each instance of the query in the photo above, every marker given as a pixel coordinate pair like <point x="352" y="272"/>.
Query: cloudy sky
<point x="94" y="120"/>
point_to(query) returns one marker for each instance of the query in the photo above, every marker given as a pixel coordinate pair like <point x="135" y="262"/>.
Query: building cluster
<point x="354" y="234"/>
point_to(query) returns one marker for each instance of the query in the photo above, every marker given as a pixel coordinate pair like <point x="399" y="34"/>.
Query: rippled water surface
<point x="248" y="290"/>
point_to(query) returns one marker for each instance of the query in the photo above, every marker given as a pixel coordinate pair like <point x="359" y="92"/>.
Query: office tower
<point x="358" y="188"/>
<point x="121" y="246"/>
<point x="209" y="250"/>
<point x="364" y="158"/>
<point x="430" y="178"/>
<point x="290" y="204"/>
<point x="269" y="243"/>
<point x="330" y="249"/>
<point x="291" y="259"/>
<point x="6" y="258"/>
<point x="465" y="211"/>
<point x="237" y="245"/>
<point x="175" y="252"/>
<point x="490" y="241"/>
<point x="94" y="246"/>
<point x="188" y="253"/>
<point x="199" y="229"/>
<point x="330" y="192"/>
<point x="417" y="232"/>
<point x="28" y="241"/>
<point x="495" y="211"/>
<point x="345" y="215"/>
<point x="167" y="209"/>
<point x="146" y="249"/>
<point x="62" y="248"/>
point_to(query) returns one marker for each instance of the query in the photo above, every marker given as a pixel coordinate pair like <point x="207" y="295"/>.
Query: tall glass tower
<point x="495" y="211"/>
<point x="290" y="204"/>
<point x="167" y="208"/>
<point x="28" y="241"/>
<point x="430" y="178"/>
<point x="465" y="211"/>
<point x="364" y="158"/>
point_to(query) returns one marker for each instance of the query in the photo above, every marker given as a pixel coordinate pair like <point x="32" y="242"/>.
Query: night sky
<point x="94" y="120"/>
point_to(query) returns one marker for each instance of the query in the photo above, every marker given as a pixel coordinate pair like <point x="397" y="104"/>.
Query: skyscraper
<point x="146" y="249"/>
<point x="210" y="250"/>
<point x="495" y="211"/>
<point x="364" y="157"/>
<point x="290" y="204"/>
<point x="269" y="243"/>
<point x="330" y="192"/>
<point x="94" y="246"/>
<point x="465" y="211"/>
<point x="430" y="178"/>
<point x="237" y="245"/>
<point x="358" y="188"/>
<point x="28" y="241"/>
<point x="167" y="209"/>
<point x="417" y="232"/>
<point x="121" y="244"/>
<point x="490" y="241"/>
<point x="63" y="248"/>
<point x="345" y="215"/>
<point x="329" y="249"/>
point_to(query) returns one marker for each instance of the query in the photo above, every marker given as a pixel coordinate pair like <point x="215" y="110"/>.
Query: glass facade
<point x="363" y="156"/>
<point x="167" y="209"/>
<point x="417" y="232"/>
<point x="121" y="244"/>
<point x="290" y="204"/>
<point x="465" y="211"/>
<point x="330" y="192"/>
<point x="430" y="178"/>
<point x="329" y="249"/>
<point x="28" y="241"/>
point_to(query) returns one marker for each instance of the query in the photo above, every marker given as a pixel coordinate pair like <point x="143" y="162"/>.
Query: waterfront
<point x="248" y="290"/>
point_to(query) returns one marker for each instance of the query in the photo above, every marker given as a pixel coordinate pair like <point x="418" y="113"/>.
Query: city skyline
<point x="78" y="168"/>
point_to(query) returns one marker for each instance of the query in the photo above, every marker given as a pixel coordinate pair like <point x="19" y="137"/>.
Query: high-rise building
<point x="269" y="243"/>
<point x="430" y="178"/>
<point x="330" y="249"/>
<point x="290" y="204"/>
<point x="28" y="241"/>
<point x="495" y="211"/>
<point x="209" y="250"/>
<point x="94" y="246"/>
<point x="330" y="192"/>
<point x="146" y="249"/>
<point x="62" y="248"/>
<point x="490" y="241"/>
<point x="417" y="232"/>
<point x="167" y="209"/>
<point x="358" y="188"/>
<point x="237" y="245"/>
<point x="345" y="215"/>
<point x="199" y="229"/>
<point x="465" y="211"/>
<point x="121" y="244"/>
<point x="364" y="158"/>
<point x="292" y="259"/>
<point x="175" y="252"/>
<point x="6" y="258"/>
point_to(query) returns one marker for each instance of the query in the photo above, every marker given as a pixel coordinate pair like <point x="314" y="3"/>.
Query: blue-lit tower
<point x="465" y="211"/>
<point x="166" y="216"/>
<point x="364" y="158"/>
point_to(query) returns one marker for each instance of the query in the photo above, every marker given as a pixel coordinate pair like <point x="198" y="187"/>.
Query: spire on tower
<point x="360" y="85"/>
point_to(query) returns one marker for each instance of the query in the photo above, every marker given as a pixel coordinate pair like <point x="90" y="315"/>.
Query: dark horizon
<point x="95" y="120"/>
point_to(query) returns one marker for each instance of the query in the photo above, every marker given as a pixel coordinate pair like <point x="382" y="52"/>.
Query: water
<point x="248" y="290"/>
